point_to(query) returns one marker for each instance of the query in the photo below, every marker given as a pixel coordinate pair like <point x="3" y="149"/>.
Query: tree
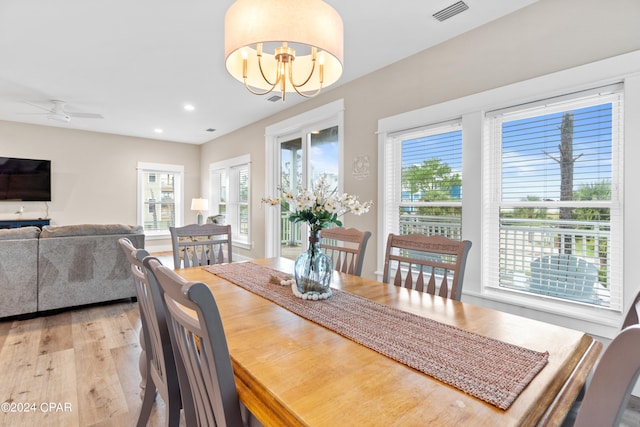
<point x="593" y="191"/>
<point x="432" y="180"/>
<point x="538" y="213"/>
<point x="566" y="162"/>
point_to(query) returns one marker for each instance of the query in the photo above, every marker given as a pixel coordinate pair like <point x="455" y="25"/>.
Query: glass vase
<point x="313" y="269"/>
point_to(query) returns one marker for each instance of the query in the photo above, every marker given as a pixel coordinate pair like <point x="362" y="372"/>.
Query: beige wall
<point x="548" y="36"/>
<point x="93" y="174"/>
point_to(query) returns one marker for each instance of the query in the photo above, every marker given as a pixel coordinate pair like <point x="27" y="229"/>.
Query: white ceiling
<point x="137" y="63"/>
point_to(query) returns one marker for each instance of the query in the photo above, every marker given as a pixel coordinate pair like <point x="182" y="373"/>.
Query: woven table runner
<point x="489" y="369"/>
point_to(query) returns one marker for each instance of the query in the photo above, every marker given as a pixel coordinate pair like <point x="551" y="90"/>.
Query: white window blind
<point x="423" y="180"/>
<point x="230" y="195"/>
<point x="552" y="202"/>
<point x="160" y="200"/>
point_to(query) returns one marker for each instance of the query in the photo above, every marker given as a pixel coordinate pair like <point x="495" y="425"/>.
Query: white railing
<point x="521" y="242"/>
<point x="524" y="242"/>
<point x="430" y="225"/>
<point x="290" y="233"/>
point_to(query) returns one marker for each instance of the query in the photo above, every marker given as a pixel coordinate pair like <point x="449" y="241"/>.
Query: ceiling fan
<point x="58" y="113"/>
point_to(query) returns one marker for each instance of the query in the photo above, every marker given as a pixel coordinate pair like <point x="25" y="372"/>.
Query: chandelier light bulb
<point x="312" y="27"/>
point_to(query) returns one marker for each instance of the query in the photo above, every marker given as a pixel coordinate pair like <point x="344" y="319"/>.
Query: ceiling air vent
<point x="450" y="11"/>
<point x="211" y="130"/>
<point x="274" y="98"/>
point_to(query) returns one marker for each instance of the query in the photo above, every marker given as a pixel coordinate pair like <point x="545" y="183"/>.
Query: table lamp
<point x="199" y="205"/>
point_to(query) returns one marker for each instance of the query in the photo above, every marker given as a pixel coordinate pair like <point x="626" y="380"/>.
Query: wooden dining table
<point x="291" y="371"/>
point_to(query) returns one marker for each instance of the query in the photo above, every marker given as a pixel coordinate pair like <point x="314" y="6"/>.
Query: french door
<point x="304" y="157"/>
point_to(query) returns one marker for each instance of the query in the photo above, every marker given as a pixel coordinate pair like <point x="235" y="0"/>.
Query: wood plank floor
<point x="80" y="368"/>
<point x="75" y="368"/>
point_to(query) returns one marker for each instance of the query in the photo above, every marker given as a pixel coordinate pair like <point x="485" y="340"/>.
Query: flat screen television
<point x="25" y="180"/>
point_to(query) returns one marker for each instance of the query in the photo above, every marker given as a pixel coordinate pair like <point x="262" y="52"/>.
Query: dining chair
<point x="632" y="315"/>
<point x="613" y="380"/>
<point x="346" y="247"/>
<point x="197" y="335"/>
<point x="159" y="366"/>
<point x="437" y="258"/>
<point x="201" y="244"/>
<point x="630" y="319"/>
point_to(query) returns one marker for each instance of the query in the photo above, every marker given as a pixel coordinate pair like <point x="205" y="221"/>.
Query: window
<point x="160" y="197"/>
<point x="423" y="181"/>
<point x="230" y="185"/>
<point x="553" y="218"/>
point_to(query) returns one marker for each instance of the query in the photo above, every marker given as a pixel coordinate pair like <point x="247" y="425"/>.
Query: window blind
<point x="423" y="180"/>
<point x="553" y="200"/>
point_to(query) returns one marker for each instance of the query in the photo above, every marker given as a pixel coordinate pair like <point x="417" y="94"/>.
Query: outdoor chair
<point x="564" y="276"/>
<point x="346" y="247"/>
<point x="438" y="259"/>
<point x="201" y="244"/>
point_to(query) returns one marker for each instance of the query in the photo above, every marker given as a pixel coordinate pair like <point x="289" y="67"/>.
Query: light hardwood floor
<point x="75" y="368"/>
<point x="80" y="368"/>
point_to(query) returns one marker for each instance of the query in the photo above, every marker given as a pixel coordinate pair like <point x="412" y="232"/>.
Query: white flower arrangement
<point x="319" y="206"/>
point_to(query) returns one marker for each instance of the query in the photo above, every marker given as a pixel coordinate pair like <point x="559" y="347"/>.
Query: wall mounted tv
<point x="25" y="180"/>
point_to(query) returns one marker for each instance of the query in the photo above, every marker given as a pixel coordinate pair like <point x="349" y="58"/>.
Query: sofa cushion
<point x="89" y="230"/>
<point x="19" y="233"/>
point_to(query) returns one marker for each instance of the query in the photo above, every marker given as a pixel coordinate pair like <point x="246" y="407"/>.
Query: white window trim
<point x="332" y="113"/>
<point x="179" y="194"/>
<point x="231" y="196"/>
<point x="625" y="68"/>
<point x="392" y="170"/>
<point x="492" y="179"/>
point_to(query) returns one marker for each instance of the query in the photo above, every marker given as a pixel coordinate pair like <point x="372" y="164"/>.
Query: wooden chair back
<point x="198" y="337"/>
<point x="159" y="364"/>
<point x="613" y="380"/>
<point x="201" y="244"/>
<point x="426" y="263"/>
<point x="346" y="247"/>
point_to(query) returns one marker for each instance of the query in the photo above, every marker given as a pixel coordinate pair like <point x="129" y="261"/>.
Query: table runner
<point x="486" y="368"/>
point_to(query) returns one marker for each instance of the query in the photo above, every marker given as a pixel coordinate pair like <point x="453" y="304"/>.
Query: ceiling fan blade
<point x="39" y="106"/>
<point x="85" y="115"/>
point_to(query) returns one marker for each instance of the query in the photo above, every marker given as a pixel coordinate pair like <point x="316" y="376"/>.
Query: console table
<point x="17" y="223"/>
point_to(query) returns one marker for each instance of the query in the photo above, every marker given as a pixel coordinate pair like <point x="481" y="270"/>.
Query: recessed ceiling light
<point x="158" y="130"/>
<point x="189" y="107"/>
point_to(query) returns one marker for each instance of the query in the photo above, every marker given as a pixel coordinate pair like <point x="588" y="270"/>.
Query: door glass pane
<point x="323" y="158"/>
<point x="290" y="180"/>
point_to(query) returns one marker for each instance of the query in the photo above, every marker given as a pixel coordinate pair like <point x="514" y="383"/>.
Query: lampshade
<point x="199" y="205"/>
<point x="268" y="43"/>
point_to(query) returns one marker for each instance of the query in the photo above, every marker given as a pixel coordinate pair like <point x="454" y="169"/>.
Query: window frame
<point x="160" y="168"/>
<point x="492" y="161"/>
<point x="626" y="68"/>
<point x="392" y="171"/>
<point x="231" y="168"/>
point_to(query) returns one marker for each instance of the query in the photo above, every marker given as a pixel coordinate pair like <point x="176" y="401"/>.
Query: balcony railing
<point x="561" y="252"/>
<point x="290" y="233"/>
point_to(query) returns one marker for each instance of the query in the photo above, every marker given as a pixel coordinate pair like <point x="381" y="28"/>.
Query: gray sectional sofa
<point x="64" y="266"/>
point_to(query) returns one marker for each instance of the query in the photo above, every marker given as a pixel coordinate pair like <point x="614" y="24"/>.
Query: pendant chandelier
<point x="283" y="45"/>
